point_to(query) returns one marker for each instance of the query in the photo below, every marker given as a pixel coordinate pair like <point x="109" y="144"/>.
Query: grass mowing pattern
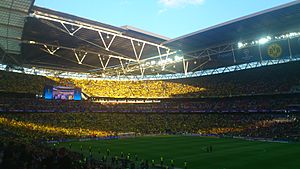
<point x="227" y="153"/>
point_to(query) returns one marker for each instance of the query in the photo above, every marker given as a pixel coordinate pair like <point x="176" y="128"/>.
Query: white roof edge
<point x="127" y="27"/>
<point x="236" y="20"/>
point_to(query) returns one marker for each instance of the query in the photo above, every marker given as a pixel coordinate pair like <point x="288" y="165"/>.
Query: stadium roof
<point x="61" y="41"/>
<point x="47" y="30"/>
<point x="280" y="19"/>
<point x="137" y="30"/>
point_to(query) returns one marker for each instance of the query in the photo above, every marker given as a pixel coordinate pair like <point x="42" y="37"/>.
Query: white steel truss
<point x="48" y="46"/>
<point x="71" y="27"/>
<point x="73" y="31"/>
<point x="104" y="43"/>
<point x="78" y="55"/>
<point x="41" y="15"/>
<point x="185" y="66"/>
<point x="104" y="65"/>
<point x="139" y="64"/>
<point x="137" y="55"/>
<point x="131" y="66"/>
<point x="52" y="50"/>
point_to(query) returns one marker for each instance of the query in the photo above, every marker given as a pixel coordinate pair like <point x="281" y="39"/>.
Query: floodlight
<point x="264" y="40"/>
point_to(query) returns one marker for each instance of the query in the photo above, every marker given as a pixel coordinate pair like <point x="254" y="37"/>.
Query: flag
<point x="275" y="50"/>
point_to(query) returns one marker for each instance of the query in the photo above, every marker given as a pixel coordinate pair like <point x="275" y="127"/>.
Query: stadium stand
<point x="23" y="83"/>
<point x="283" y="78"/>
<point x="134" y="89"/>
<point x="265" y="80"/>
<point x="259" y="103"/>
<point x="277" y="126"/>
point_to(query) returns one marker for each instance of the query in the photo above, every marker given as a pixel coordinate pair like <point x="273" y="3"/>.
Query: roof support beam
<point x="72" y="32"/>
<point x="52" y="50"/>
<point x="82" y="39"/>
<point x="233" y="54"/>
<point x="64" y="58"/>
<point x="104" y="66"/>
<point x="137" y="55"/>
<point x="104" y="43"/>
<point x="185" y="66"/>
<point x="72" y="49"/>
<point x="80" y="61"/>
<point x="122" y="65"/>
<point x="111" y="32"/>
<point x="290" y="49"/>
<point x="142" y="71"/>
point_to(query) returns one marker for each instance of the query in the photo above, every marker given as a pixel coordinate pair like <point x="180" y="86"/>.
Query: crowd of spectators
<point x="23" y="83"/>
<point x="256" y="103"/>
<point x="268" y="103"/>
<point x="23" y="134"/>
<point x="265" y="80"/>
<point x="280" y="125"/>
<point x="282" y="78"/>
<point x="135" y="89"/>
<point x="16" y="154"/>
<point x="26" y="144"/>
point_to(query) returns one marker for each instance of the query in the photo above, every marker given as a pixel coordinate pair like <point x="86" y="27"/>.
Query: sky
<point x="170" y="18"/>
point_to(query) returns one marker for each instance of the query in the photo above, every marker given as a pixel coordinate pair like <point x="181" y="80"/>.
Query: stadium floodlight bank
<point x="52" y="73"/>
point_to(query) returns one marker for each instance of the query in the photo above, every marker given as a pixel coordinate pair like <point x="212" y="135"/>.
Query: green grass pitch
<point x="227" y="153"/>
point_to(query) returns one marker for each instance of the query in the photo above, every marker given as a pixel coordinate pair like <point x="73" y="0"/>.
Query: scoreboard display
<point x="62" y="93"/>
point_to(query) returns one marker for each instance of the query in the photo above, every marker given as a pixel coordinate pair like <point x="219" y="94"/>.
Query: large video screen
<point x="62" y="93"/>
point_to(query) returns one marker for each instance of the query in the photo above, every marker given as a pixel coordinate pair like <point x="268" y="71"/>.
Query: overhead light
<point x="107" y="36"/>
<point x="264" y="40"/>
<point x="240" y="45"/>
<point x="178" y="58"/>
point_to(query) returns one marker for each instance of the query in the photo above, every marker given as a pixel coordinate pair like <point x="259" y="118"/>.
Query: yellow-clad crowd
<point x="130" y="89"/>
<point x="103" y="124"/>
<point x="23" y="83"/>
<point x="134" y="89"/>
<point x="77" y="132"/>
<point x="18" y="82"/>
<point x="230" y="84"/>
<point x="220" y="130"/>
